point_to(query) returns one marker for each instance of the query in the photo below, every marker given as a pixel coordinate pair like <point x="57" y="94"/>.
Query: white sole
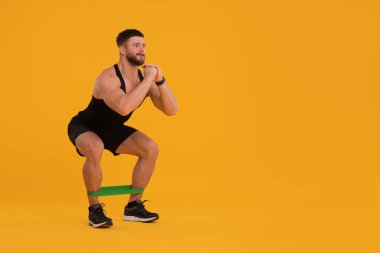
<point x="96" y="225"/>
<point x="134" y="218"/>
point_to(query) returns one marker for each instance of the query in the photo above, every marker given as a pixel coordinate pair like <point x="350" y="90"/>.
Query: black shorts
<point x="111" y="138"/>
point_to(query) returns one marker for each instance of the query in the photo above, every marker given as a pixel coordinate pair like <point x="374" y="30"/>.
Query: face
<point x="134" y="50"/>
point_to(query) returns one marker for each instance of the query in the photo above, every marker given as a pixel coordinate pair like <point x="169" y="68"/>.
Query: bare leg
<point x="142" y="173"/>
<point x="92" y="176"/>
<point x="91" y="146"/>
<point x="146" y="149"/>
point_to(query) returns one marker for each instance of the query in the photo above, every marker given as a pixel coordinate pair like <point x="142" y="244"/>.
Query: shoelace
<point x="100" y="210"/>
<point x="142" y="203"/>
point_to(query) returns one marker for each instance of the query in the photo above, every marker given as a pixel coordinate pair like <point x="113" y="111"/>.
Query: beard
<point x="133" y="60"/>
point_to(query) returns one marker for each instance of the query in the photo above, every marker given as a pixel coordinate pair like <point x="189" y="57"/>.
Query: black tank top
<point x="100" y="116"/>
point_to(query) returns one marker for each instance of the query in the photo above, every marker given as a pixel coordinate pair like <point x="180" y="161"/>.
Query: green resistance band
<point x="115" y="190"/>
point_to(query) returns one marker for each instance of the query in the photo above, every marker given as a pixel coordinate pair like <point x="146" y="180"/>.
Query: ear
<point x="122" y="50"/>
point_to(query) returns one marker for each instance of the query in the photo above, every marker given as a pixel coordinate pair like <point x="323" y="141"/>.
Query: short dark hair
<point x="126" y="34"/>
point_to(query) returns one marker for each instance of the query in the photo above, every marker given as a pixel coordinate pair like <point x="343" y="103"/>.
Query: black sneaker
<point x="97" y="218"/>
<point x="139" y="213"/>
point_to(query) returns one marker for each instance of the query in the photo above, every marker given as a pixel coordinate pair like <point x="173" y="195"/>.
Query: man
<point x="117" y="92"/>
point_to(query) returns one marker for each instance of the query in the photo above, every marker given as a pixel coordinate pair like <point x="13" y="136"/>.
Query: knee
<point x="93" y="151"/>
<point x="151" y="150"/>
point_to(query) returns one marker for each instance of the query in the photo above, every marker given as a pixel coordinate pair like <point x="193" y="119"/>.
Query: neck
<point x="127" y="69"/>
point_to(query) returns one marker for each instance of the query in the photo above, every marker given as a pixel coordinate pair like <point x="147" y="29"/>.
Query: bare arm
<point x="119" y="101"/>
<point x="161" y="95"/>
<point x="163" y="98"/>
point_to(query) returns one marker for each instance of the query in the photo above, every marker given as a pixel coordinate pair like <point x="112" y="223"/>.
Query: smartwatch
<point x="161" y="82"/>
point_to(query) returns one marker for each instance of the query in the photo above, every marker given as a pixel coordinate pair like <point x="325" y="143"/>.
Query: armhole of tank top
<point x="122" y="84"/>
<point x="141" y="79"/>
<point x="140" y="75"/>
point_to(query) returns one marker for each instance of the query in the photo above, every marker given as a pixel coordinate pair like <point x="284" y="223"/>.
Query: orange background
<point x="274" y="148"/>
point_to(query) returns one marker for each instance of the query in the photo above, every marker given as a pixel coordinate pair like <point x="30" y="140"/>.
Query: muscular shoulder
<point x="105" y="81"/>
